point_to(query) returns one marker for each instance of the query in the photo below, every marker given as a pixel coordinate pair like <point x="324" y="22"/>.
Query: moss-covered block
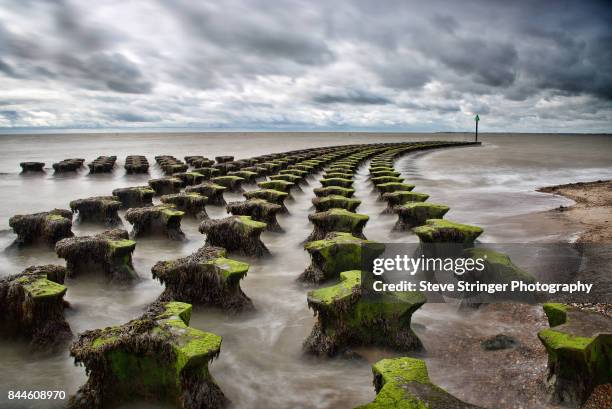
<point x="296" y="172"/>
<point x="400" y="197"/>
<point x="32" y="167"/>
<point x="337" y="220"/>
<point x="280" y="185"/>
<point x="338" y="174"/>
<point x="338" y="252"/>
<point x="273" y="196"/>
<point x="378" y="173"/>
<point x="350" y="314"/>
<point x="32" y="306"/>
<point x="98" y="209"/>
<point x="259" y="210"/>
<point x="379" y="180"/>
<point x="109" y="253"/>
<point x="295" y="179"/>
<point x="206" y="277"/>
<point x="166" y="186"/>
<point x="240" y="234"/>
<point x="579" y="348"/>
<point x="207" y="172"/>
<point x="403" y="383"/>
<point x="137" y="196"/>
<point x="192" y="203"/>
<point x="325" y="203"/>
<point x="248" y="176"/>
<point x="212" y="191"/>
<point x="232" y="183"/>
<point x="334" y="190"/>
<point x="347" y="183"/>
<point x="47" y="227"/>
<point x="393" y="187"/>
<point x="445" y="231"/>
<point x="190" y="178"/>
<point x="416" y="213"/>
<point x="156" y="357"/>
<point x="164" y="219"/>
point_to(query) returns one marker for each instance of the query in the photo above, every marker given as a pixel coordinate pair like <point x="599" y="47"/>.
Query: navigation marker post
<point x="477" y="119"/>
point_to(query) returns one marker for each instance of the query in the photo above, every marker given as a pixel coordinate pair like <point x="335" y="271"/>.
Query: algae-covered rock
<point x="445" y="231"/>
<point x="579" y="346"/>
<point x="270" y="195"/>
<point x="347" y="183"/>
<point x="223" y="159"/>
<point x="295" y="179"/>
<point x="206" y="277"/>
<point x="384" y="172"/>
<point x="109" y="253"/>
<point x="166" y="186"/>
<point x="334" y="190"/>
<point x="201" y="162"/>
<point x="162" y="219"/>
<point x="193" y="204"/>
<point x="238" y="234"/>
<point x="232" y="183"/>
<point x="136" y="164"/>
<point x="403" y="383"/>
<point x="68" y="165"/>
<point x="156" y="357"/>
<point x="32" y="167"/>
<point x="338" y="252"/>
<point x="211" y="190"/>
<point x="337" y="220"/>
<point x="393" y="187"/>
<point x="379" y="180"/>
<point x="416" y="213"/>
<point x="338" y="174"/>
<point x="137" y="196"/>
<point x="260" y="210"/>
<point x="350" y="314"/>
<point x="190" y="178"/>
<point x="102" y="164"/>
<point x="32" y="305"/>
<point x="325" y="203"/>
<point x="207" y="172"/>
<point x="47" y="227"/>
<point x="248" y="176"/>
<point x="99" y="209"/>
<point x="280" y="185"/>
<point x="401" y="197"/>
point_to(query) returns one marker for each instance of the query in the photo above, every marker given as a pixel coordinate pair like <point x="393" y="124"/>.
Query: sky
<point x="391" y="65"/>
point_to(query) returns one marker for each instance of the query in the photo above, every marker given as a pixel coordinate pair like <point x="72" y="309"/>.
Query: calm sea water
<point x="261" y="364"/>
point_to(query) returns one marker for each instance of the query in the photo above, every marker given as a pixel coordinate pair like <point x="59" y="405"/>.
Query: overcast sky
<point x="315" y="64"/>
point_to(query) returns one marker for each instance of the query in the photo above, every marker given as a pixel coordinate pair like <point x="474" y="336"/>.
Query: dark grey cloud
<point x="296" y="63"/>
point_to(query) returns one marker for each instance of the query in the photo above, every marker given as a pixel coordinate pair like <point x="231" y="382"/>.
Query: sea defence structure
<point x="136" y="164"/>
<point x="68" y="165"/>
<point x="192" y="203"/>
<point x="32" y="305"/>
<point x="137" y="196"/>
<point x="206" y="277"/>
<point x="351" y="314"/>
<point x="212" y="191"/>
<point x="102" y="164"/>
<point x="579" y="346"/>
<point x="337" y="220"/>
<point x="259" y="210"/>
<point x="403" y="383"/>
<point x="240" y="234"/>
<point x="162" y="219"/>
<point x="34" y="167"/>
<point x="166" y="186"/>
<point x="171" y="165"/>
<point x="46" y="227"/>
<point x="157" y="357"/>
<point x="108" y="253"/>
<point x="98" y="209"/>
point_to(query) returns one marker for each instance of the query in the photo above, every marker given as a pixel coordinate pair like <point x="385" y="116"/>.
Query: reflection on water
<point x="261" y="365"/>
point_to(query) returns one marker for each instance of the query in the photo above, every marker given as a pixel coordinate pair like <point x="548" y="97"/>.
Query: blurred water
<point x="261" y="364"/>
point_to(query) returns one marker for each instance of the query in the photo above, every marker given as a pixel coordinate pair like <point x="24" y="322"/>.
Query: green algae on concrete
<point x="137" y="196"/>
<point x="166" y="186"/>
<point x="287" y="178"/>
<point x="349" y="314"/>
<point x="334" y="190"/>
<point x="301" y="173"/>
<point x="579" y="348"/>
<point x="337" y="174"/>
<point x="416" y="213"/>
<point x="162" y="219"/>
<point x="393" y="187"/>
<point x="32" y="306"/>
<point x="156" y="357"/>
<point x="47" y="227"/>
<point x="324" y="203"/>
<point x="338" y="252"/>
<point x="212" y="191"/>
<point x="191" y="203"/>
<point x="98" y="209"/>
<point x="248" y="176"/>
<point x="260" y="210"/>
<point x="379" y="180"/>
<point x="206" y="277"/>
<point x="273" y="196"/>
<point x="347" y="183"/>
<point x="401" y="197"/>
<point x="109" y="253"/>
<point x="378" y="173"/>
<point x="403" y="383"/>
<point x="240" y="234"/>
<point x="337" y="220"/>
<point x="207" y="172"/>
<point x="280" y="185"/>
<point x="232" y="183"/>
<point x="190" y="178"/>
<point x="445" y="231"/>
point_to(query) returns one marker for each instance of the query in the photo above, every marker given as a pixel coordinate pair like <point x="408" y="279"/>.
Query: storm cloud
<point x="267" y="64"/>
